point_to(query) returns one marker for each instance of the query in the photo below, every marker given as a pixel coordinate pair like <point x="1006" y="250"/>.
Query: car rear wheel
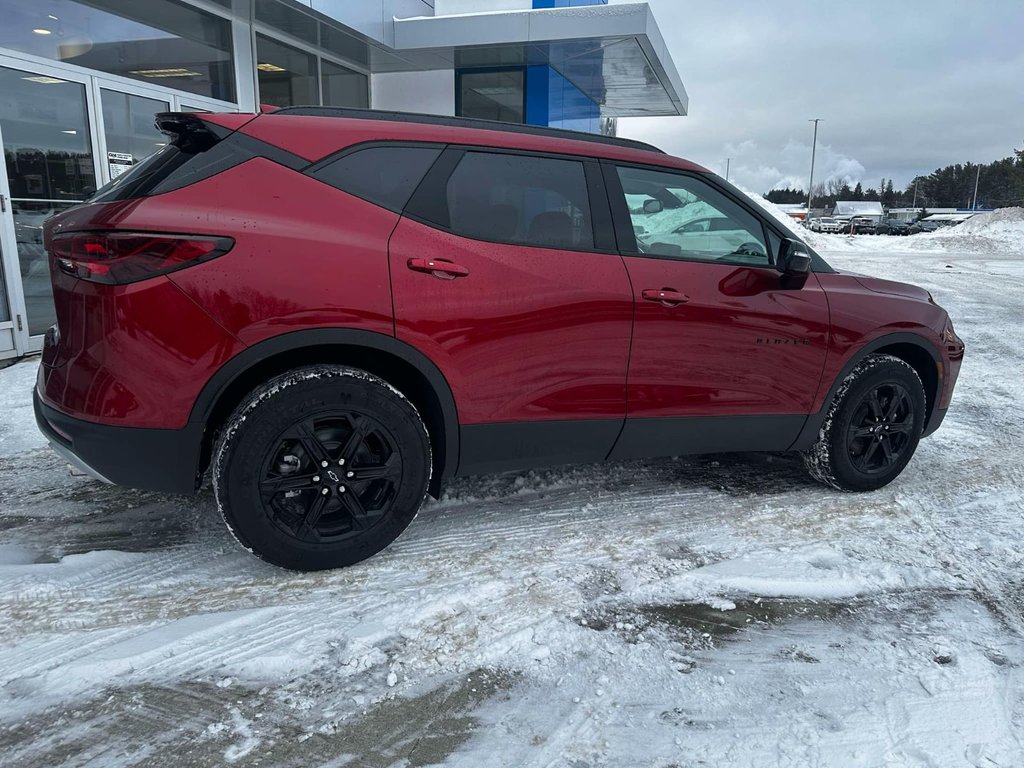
<point x="321" y="467"/>
<point x="872" y="427"/>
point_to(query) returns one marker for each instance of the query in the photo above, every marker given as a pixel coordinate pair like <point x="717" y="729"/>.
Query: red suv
<point x="336" y="310"/>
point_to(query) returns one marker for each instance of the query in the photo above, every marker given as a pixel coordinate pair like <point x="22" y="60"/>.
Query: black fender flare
<point x="809" y="434"/>
<point x="218" y="384"/>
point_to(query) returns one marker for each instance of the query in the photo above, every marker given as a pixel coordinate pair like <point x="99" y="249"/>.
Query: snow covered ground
<point x="703" y="611"/>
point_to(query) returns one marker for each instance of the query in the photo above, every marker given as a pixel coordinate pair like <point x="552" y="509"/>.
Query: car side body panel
<point x="530" y="334"/>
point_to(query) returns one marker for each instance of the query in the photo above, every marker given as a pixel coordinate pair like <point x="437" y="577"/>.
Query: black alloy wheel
<point x="321" y="467"/>
<point x="331" y="476"/>
<point x="871" y="428"/>
<point x="880" y="429"/>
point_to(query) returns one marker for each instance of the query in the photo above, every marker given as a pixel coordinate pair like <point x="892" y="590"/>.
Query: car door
<point x="727" y="352"/>
<point x="505" y="274"/>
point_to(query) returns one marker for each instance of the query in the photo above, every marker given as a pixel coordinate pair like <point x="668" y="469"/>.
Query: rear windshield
<point x="142" y="178"/>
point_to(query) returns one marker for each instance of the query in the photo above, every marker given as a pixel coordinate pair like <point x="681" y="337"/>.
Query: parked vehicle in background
<point x="923" y="226"/>
<point x="825" y="224"/>
<point x="711" y="234"/>
<point x="422" y="297"/>
<point x="892" y="227"/>
<point x="863" y="226"/>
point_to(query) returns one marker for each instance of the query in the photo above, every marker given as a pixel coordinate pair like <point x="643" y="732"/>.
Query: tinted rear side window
<point x="385" y="176"/>
<point x="508" y="198"/>
<point x="141" y="179"/>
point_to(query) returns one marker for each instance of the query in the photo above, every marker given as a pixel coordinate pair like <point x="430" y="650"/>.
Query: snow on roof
<point x="949" y="217"/>
<point x="857" y="208"/>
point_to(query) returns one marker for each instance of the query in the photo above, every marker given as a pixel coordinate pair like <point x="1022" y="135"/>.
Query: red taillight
<point x="126" y="257"/>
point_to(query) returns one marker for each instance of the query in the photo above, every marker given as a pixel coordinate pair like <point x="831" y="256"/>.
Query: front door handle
<point x="670" y="297"/>
<point x="445" y="270"/>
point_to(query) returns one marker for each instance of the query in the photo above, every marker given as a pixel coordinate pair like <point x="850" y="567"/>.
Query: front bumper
<point x="165" y="460"/>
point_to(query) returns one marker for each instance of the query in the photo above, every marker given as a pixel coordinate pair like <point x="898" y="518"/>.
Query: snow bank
<point x="18" y="432"/>
<point x="1003" y="227"/>
<point x="1001" y="231"/>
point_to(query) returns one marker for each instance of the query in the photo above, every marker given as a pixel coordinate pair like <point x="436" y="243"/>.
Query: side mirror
<point x="794" y="260"/>
<point x="653" y="206"/>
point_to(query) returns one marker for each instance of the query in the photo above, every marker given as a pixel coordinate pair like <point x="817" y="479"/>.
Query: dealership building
<point x="80" y="81"/>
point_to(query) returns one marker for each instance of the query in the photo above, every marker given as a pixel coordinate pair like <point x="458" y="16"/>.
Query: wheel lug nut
<point x="350" y="473"/>
<point x="341" y="462"/>
<point x="325" y="491"/>
<point x="316" y="478"/>
<point x="324" y="464"/>
<point x="341" y="489"/>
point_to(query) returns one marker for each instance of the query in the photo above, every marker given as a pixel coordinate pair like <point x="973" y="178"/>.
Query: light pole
<point x="727" y="161"/>
<point x="814" y="147"/>
<point x="974" y="205"/>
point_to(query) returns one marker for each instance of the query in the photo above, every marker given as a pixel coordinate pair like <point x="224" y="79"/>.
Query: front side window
<point x="681" y="216"/>
<point x="518" y="199"/>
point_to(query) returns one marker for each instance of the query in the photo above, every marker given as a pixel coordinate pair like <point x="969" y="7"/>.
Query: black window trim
<point x="627" y="238"/>
<point x="428" y="203"/>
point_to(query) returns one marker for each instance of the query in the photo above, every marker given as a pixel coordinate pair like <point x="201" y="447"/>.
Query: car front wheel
<point x="321" y="467"/>
<point x="872" y="426"/>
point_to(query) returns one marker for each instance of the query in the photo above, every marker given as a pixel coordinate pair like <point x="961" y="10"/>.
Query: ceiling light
<point x="72" y="133"/>
<point x="42" y="31"/>
<point x="269" y="68"/>
<point x="43" y="79"/>
<point x="50" y="15"/>
<point x="171" y="72"/>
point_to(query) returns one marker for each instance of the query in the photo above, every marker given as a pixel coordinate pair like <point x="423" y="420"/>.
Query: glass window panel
<point x="342" y="44"/>
<point x="287" y="76"/>
<point x="162" y="42"/>
<point x="49" y="168"/>
<point x="492" y="95"/>
<point x="129" y="130"/>
<point x="386" y="176"/>
<point x="5" y="310"/>
<point x="519" y="199"/>
<point x="288" y="20"/>
<point x="678" y="215"/>
<point x="343" y="87"/>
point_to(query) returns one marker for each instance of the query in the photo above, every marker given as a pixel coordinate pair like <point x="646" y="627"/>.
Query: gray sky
<point x="904" y="86"/>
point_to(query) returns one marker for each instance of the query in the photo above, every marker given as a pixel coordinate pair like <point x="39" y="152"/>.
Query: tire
<point x="872" y="426"/>
<point x="321" y="467"/>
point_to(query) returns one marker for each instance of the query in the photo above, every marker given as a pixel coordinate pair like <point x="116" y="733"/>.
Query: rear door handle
<point x="445" y="270"/>
<point x="670" y="297"/>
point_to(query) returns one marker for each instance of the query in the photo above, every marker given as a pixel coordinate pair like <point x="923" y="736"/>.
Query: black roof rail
<point x="464" y="122"/>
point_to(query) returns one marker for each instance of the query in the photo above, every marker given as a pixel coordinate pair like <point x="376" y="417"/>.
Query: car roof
<point x="315" y="132"/>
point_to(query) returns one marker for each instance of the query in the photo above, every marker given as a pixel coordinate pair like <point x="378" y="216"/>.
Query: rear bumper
<point x="165" y="460"/>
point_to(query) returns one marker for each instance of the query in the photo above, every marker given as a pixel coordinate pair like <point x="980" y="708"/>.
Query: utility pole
<point x="727" y="161"/>
<point x="974" y="205"/>
<point x="914" y="204"/>
<point x="814" y="147"/>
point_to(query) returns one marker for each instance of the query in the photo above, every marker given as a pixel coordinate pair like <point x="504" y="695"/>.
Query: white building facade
<point x="80" y="81"/>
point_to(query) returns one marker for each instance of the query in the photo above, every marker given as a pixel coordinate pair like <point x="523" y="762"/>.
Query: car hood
<point x="891" y="287"/>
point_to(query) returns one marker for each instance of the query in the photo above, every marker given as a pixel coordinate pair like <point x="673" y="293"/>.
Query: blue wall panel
<point x="554" y="101"/>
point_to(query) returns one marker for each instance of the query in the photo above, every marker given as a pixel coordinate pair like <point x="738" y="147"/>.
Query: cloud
<point x="792" y="168"/>
<point x="903" y="88"/>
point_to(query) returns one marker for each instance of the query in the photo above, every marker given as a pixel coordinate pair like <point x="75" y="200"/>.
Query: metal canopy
<point x="615" y="54"/>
